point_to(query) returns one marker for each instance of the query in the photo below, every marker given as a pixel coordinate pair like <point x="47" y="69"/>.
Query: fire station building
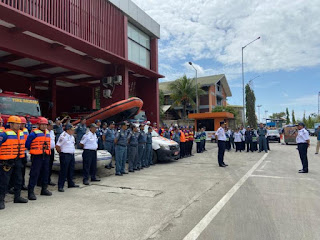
<point x="79" y="55"/>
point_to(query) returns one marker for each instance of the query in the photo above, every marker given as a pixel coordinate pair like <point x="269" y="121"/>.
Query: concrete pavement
<point x="168" y="200"/>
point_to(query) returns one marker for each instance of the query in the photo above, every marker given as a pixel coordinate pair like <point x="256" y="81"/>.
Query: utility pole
<point x="197" y="99"/>
<point x="259" y="106"/>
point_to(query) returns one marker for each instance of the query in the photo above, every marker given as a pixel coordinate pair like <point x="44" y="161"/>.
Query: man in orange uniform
<point x="38" y="143"/>
<point x="11" y="153"/>
<point x="182" y="143"/>
<point x="191" y="139"/>
<point x="186" y="133"/>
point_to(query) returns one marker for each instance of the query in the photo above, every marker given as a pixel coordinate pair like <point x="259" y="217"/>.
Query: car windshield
<point x="19" y="106"/>
<point x="273" y="132"/>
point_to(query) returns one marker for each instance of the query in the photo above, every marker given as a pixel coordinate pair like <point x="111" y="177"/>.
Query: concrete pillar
<point x="148" y="91"/>
<point x="53" y="97"/>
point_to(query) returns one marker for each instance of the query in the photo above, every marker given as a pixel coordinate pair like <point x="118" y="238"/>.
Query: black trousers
<point x="222" y="148"/>
<point x="249" y="146"/>
<point x="303" y="150"/>
<point x="238" y="146"/>
<point x="228" y="145"/>
<point x="66" y="169"/>
<point x="190" y="148"/>
<point x="39" y="168"/>
<point x="198" y="147"/>
<point x="89" y="164"/>
<point x="23" y="173"/>
<point x="182" y="149"/>
<point x="15" y="171"/>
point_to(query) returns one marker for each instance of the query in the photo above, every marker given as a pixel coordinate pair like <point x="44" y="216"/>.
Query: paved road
<point x="258" y="196"/>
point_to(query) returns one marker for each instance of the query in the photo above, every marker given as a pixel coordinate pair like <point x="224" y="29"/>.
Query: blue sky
<point x="210" y="33"/>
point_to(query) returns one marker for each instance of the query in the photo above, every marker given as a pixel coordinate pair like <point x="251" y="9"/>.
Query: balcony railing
<point x="95" y="21"/>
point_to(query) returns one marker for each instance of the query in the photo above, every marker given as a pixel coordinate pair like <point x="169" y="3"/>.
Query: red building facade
<point x="60" y="50"/>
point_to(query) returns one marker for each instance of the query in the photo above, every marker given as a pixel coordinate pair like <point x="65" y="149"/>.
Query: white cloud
<point x="216" y="30"/>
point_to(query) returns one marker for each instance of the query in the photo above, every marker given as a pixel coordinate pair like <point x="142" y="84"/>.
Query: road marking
<point x="263" y="166"/>
<point x="203" y="224"/>
<point x="278" y="177"/>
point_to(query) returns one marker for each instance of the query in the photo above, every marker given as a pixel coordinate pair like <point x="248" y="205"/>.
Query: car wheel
<point x="278" y="140"/>
<point x="154" y="157"/>
<point x="287" y="143"/>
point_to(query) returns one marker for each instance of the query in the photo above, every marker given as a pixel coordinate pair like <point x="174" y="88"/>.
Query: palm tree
<point x="184" y="92"/>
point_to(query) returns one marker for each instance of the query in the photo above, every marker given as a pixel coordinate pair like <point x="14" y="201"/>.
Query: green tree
<point x="161" y="103"/>
<point x="288" y="116"/>
<point x="226" y="109"/>
<point x="251" y="117"/>
<point x="304" y="120"/>
<point x="278" y="115"/>
<point x="293" y="118"/>
<point x="184" y="92"/>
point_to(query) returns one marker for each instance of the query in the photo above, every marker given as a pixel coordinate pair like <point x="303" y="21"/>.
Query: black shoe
<point x="316" y="153"/>
<point x="124" y="173"/>
<point x="226" y="165"/>
<point x="11" y="191"/>
<point x="118" y="174"/>
<point x="51" y="184"/>
<point x="303" y="171"/>
<point x="24" y="188"/>
<point x="135" y="169"/>
<point x="138" y="169"/>
<point x="112" y="166"/>
<point x="107" y="167"/>
<point x="2" y="206"/>
<point x="74" y="186"/>
<point x="31" y="196"/>
<point x="131" y="171"/>
<point x="45" y="192"/>
<point x="222" y="166"/>
<point x="20" y="200"/>
<point x="60" y="189"/>
<point x="86" y="182"/>
<point x="95" y="180"/>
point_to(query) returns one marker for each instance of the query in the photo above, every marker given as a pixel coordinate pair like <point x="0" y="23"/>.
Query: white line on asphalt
<point x="278" y="177"/>
<point x="203" y="224"/>
<point x="263" y="166"/>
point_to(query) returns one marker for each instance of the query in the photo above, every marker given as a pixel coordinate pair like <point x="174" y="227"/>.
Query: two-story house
<point x="216" y="89"/>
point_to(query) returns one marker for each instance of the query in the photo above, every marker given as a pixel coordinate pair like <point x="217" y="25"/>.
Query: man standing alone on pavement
<point x="303" y="141"/>
<point x="262" y="132"/>
<point x="221" y="136"/>
<point x="317" y="133"/>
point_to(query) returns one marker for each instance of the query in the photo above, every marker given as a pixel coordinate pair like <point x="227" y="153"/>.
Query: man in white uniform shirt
<point x="89" y="142"/>
<point x="221" y="136"/>
<point x="303" y="141"/>
<point x="66" y="148"/>
<point x="52" y="146"/>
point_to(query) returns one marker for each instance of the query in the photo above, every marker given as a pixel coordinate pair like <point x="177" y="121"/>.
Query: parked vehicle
<point x="163" y="148"/>
<point x="273" y="135"/>
<point x="103" y="159"/>
<point x="290" y="134"/>
<point x="311" y="131"/>
<point x="19" y="104"/>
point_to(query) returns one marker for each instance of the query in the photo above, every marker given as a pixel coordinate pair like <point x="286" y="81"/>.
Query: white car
<point x="103" y="159"/>
<point x="163" y="149"/>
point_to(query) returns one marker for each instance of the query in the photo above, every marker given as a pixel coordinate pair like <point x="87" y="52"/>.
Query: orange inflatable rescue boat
<point x="117" y="112"/>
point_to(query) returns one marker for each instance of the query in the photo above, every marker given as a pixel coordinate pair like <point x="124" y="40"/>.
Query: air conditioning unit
<point x="107" y="80"/>
<point x="117" y="80"/>
<point x="107" y="93"/>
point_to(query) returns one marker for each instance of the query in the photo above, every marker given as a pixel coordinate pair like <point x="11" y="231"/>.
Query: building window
<point x="138" y="46"/>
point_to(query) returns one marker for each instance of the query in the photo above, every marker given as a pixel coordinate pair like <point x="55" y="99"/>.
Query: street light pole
<point x="244" y="112"/>
<point x="259" y="106"/>
<point x="197" y="103"/>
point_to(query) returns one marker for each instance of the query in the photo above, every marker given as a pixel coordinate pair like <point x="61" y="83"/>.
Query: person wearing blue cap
<point x="142" y="140"/>
<point x="99" y="133"/>
<point x="303" y="141"/>
<point x="262" y="132"/>
<point x="81" y="130"/>
<point x="109" y="141"/>
<point x="133" y="148"/>
<point x="121" y="143"/>
<point x="148" y="158"/>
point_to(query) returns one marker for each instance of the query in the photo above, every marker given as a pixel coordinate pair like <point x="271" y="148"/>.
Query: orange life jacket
<point x="41" y="144"/>
<point x="186" y="133"/>
<point x="182" y="136"/>
<point x="191" y="136"/>
<point x="12" y="147"/>
<point x="23" y="148"/>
